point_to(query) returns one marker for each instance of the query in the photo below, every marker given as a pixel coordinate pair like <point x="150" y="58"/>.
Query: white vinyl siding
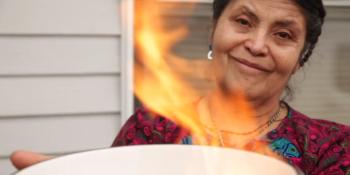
<point x="62" y="86"/>
<point x="52" y="55"/>
<point x="64" y="17"/>
<point x="59" y="134"/>
<point x="51" y="95"/>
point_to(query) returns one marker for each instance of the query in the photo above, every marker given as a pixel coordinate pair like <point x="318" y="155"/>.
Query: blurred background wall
<point x="64" y="77"/>
<point x="65" y="71"/>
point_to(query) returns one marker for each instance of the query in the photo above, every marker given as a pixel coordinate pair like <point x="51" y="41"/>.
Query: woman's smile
<point x="249" y="67"/>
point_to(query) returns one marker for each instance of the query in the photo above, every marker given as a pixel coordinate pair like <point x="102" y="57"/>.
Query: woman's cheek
<point x="286" y="61"/>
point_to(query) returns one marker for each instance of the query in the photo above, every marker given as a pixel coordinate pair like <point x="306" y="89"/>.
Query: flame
<point x="162" y="89"/>
<point x="158" y="86"/>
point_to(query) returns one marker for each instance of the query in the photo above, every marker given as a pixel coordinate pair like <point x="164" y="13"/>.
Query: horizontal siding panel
<point x="57" y="95"/>
<point x="332" y="27"/>
<point x="60" y="17"/>
<point x="59" y="55"/>
<point x="323" y="88"/>
<point x="329" y="109"/>
<point x="338" y="13"/>
<point x="6" y="167"/>
<point x="55" y="135"/>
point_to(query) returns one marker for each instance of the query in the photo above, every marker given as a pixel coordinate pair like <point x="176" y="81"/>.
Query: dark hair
<point x="314" y="12"/>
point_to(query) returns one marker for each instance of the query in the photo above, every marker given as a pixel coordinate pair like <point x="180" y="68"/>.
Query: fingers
<point x="23" y="159"/>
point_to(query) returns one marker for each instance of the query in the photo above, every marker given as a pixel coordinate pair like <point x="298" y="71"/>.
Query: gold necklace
<point x="260" y="128"/>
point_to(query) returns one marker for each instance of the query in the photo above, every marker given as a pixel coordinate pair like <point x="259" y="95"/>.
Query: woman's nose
<point x="257" y="45"/>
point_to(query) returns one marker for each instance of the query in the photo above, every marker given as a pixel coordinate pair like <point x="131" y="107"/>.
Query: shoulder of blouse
<point x="305" y="124"/>
<point x="147" y="127"/>
<point x="325" y="145"/>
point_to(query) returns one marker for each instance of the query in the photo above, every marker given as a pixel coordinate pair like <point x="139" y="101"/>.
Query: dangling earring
<point x="210" y="53"/>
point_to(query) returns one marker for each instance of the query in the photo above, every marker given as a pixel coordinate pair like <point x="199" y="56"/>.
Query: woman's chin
<point x="251" y="92"/>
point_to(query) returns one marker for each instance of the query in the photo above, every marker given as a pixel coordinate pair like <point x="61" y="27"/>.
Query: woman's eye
<point x="243" y="22"/>
<point x="284" y="35"/>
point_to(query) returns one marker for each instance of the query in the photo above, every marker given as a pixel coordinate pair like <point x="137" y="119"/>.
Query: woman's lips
<point x="251" y="65"/>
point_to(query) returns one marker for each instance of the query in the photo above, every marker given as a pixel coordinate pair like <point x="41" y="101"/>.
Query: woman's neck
<point x="238" y="114"/>
<point x="264" y="109"/>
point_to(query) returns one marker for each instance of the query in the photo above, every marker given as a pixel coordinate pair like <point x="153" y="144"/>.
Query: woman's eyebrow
<point x="285" y="23"/>
<point x="247" y="11"/>
<point x="288" y="24"/>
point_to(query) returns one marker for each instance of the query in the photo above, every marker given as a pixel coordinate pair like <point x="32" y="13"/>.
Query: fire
<point x="162" y="89"/>
<point x="158" y="86"/>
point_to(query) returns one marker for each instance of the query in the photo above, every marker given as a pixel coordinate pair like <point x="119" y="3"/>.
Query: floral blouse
<point x="316" y="147"/>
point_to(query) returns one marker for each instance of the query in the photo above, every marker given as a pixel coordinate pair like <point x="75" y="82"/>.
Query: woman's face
<point x="257" y="45"/>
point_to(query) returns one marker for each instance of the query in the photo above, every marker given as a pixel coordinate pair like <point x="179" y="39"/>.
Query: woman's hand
<point x="23" y="159"/>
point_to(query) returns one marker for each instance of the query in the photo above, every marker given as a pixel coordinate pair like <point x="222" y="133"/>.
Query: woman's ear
<point x="212" y="31"/>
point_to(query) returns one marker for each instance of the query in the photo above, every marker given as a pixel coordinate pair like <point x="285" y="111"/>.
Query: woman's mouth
<point x="246" y="64"/>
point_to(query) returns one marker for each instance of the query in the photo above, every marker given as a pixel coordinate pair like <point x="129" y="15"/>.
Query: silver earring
<point x="210" y="55"/>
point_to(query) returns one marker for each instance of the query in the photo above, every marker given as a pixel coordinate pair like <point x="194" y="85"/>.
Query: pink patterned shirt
<point x="316" y="147"/>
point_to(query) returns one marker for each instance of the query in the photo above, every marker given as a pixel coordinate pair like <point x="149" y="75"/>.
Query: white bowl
<point x="162" y="160"/>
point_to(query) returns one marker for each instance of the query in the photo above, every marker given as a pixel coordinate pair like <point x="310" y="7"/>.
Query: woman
<point x="257" y="46"/>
